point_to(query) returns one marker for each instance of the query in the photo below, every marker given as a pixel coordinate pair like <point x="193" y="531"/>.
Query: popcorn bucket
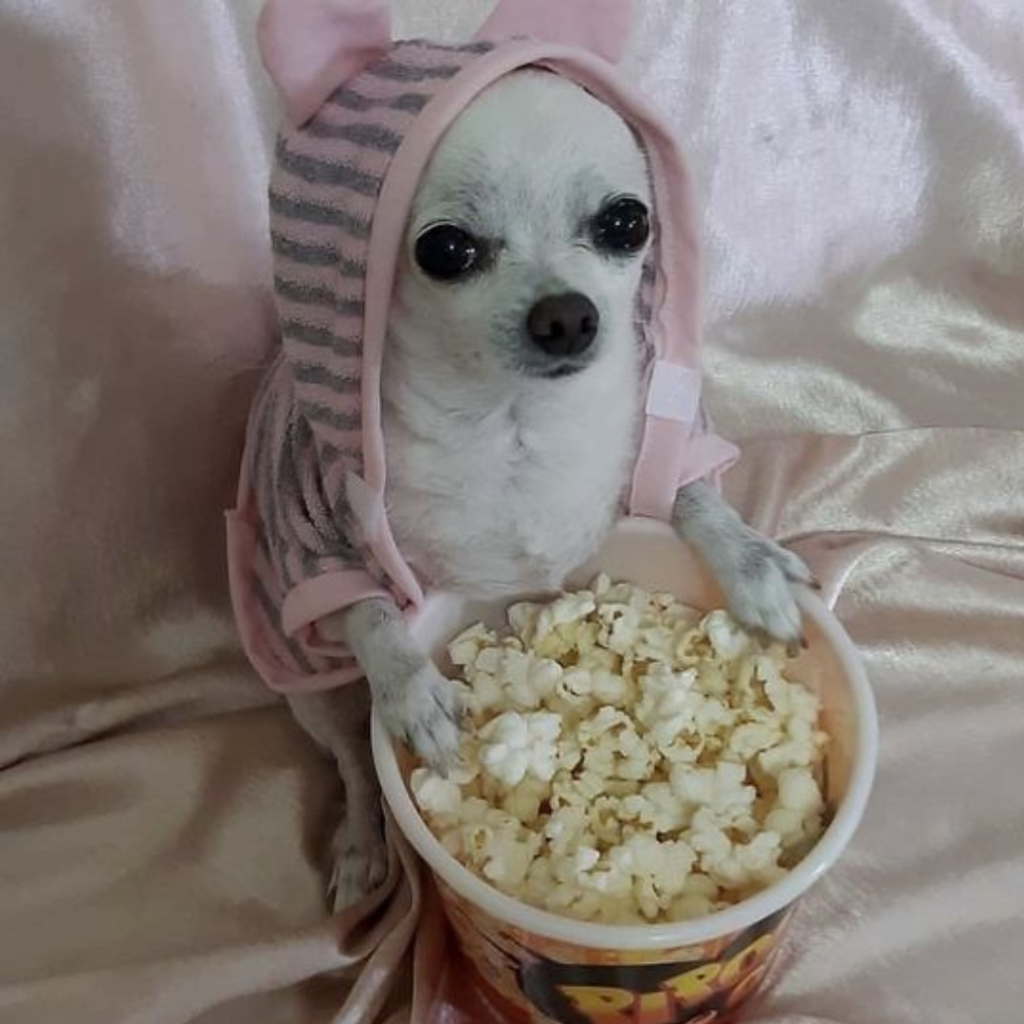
<point x="534" y="966"/>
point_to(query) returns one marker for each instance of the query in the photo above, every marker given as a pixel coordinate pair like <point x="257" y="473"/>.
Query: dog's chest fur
<point x="491" y="497"/>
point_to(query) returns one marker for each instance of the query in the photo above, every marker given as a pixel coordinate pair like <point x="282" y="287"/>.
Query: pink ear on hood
<point x="600" y="26"/>
<point x="310" y="47"/>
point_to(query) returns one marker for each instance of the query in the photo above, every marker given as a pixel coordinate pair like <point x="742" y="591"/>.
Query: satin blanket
<point x="163" y="822"/>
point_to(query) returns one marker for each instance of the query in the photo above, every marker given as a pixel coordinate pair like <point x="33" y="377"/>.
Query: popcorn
<point x="509" y="859"/>
<point x="750" y="739"/>
<point x="656" y="806"/>
<point x="466" y="647"/>
<point x="525" y="800"/>
<point x="435" y="795"/>
<point x="719" y="790"/>
<point x="798" y="791"/>
<point x="628" y="760"/>
<point x="727" y="639"/>
<point x="513" y="744"/>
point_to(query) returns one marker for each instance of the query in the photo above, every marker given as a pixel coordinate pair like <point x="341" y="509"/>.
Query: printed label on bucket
<point x="559" y="983"/>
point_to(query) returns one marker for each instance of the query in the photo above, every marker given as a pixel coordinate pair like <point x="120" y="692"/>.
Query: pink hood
<point x="310" y="534"/>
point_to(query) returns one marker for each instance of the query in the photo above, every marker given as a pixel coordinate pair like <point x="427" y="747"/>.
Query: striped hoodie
<point x="309" y="535"/>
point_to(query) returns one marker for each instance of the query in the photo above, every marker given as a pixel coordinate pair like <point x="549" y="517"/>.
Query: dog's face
<point x="526" y="243"/>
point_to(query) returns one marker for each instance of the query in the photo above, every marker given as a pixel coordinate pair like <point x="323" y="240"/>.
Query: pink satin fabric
<point x="162" y="822"/>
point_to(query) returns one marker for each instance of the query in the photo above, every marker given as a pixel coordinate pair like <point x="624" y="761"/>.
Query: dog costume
<point x="309" y="535"/>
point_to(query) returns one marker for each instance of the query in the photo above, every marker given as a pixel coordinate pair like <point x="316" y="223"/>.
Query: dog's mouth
<point x="556" y="369"/>
<point x="567" y="370"/>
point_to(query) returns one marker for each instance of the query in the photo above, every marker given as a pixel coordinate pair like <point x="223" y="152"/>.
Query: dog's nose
<point x="563" y="325"/>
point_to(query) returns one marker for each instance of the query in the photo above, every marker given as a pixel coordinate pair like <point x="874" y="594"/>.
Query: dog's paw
<point x="360" y="863"/>
<point x="760" y="590"/>
<point x="422" y="709"/>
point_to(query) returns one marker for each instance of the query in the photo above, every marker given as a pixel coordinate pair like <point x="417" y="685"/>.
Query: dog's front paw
<point x="760" y="589"/>
<point x="422" y="708"/>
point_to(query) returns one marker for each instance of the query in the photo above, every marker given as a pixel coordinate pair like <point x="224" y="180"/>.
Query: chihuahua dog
<point x="511" y="413"/>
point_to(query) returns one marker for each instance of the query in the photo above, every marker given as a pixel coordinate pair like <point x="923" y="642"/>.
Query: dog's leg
<point x="339" y="721"/>
<point x="416" y="703"/>
<point x="756" y="574"/>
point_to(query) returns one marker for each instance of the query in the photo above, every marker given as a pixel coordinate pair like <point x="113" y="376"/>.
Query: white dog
<point x="511" y="412"/>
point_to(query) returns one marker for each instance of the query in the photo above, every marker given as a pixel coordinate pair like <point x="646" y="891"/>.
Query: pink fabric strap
<point x="673" y="401"/>
<point x="323" y="595"/>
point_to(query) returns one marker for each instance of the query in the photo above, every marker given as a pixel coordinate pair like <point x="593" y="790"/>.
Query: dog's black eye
<point x="623" y="226"/>
<point x="446" y="252"/>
